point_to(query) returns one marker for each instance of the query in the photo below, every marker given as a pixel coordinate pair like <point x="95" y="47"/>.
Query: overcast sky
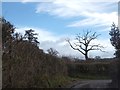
<point x="56" y="20"/>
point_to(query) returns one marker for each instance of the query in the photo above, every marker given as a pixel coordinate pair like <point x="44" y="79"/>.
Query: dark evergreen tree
<point x="30" y="36"/>
<point x="115" y="39"/>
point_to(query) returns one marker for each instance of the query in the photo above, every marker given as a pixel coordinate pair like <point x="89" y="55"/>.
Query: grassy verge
<point x="54" y="81"/>
<point x="61" y="81"/>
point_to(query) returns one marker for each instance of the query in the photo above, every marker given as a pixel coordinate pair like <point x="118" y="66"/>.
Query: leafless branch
<point x="83" y="43"/>
<point x="96" y="47"/>
<point x="68" y="40"/>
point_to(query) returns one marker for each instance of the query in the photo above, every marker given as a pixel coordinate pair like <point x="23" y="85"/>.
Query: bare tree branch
<point x="82" y="44"/>
<point x="95" y="47"/>
<point x="74" y="47"/>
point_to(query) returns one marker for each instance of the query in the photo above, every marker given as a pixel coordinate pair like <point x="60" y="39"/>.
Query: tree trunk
<point x="86" y="55"/>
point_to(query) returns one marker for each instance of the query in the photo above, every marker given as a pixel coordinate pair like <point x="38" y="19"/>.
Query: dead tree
<point x="83" y="44"/>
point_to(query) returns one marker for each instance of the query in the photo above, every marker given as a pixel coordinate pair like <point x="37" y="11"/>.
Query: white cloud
<point x="96" y="20"/>
<point x="95" y="13"/>
<point x="108" y="48"/>
<point x="50" y="40"/>
<point x="27" y="1"/>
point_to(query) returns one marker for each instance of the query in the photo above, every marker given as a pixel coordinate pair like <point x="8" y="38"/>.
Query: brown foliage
<point x="29" y="66"/>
